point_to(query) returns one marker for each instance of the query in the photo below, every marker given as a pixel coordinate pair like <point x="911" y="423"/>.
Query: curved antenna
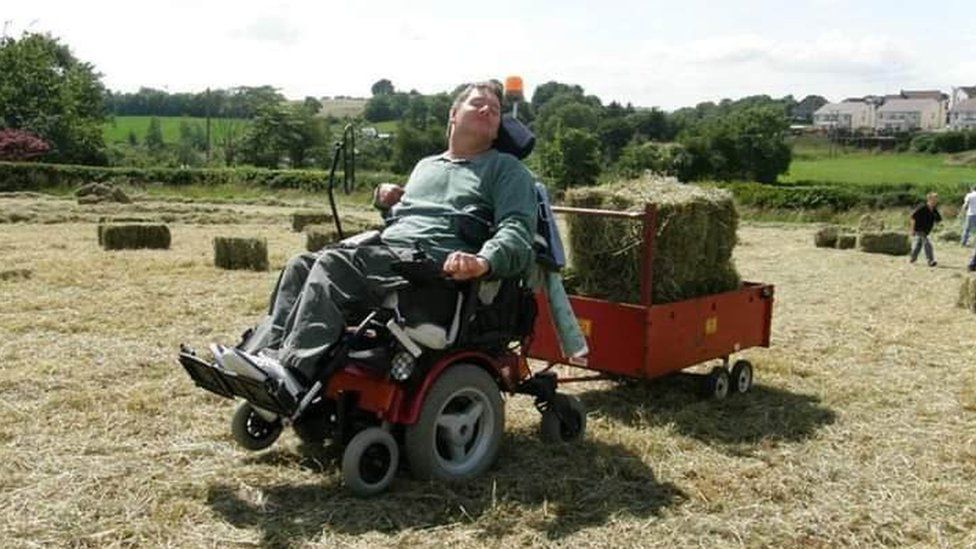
<point x="344" y="150"/>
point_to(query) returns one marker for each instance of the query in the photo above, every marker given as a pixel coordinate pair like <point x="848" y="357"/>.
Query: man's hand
<point x="387" y="195"/>
<point x="465" y="266"/>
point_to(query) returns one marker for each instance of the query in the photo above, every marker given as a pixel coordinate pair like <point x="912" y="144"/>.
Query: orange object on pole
<point x="513" y="88"/>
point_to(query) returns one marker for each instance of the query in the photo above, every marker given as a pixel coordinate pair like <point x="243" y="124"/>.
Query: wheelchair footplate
<point x="266" y="394"/>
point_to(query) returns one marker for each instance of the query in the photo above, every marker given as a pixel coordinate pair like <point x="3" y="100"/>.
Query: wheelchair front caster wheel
<point x="370" y="461"/>
<point x="564" y="420"/>
<point x="252" y="430"/>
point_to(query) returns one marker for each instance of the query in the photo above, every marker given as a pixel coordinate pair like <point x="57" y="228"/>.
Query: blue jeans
<point x="970" y="225"/>
<point x="922" y="241"/>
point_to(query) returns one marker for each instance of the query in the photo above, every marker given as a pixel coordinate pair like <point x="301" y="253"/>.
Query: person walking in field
<point x="922" y="220"/>
<point x="969" y="211"/>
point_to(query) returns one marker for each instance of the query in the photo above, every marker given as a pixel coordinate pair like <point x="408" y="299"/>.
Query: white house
<point x="963" y="115"/>
<point x="960" y="94"/>
<point x="910" y="114"/>
<point x="849" y="115"/>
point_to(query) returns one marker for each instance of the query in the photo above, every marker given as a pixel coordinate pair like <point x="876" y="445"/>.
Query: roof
<point x="966" y="105"/>
<point x="970" y="91"/>
<point x="843" y="108"/>
<point x="908" y="105"/>
<point x="923" y="94"/>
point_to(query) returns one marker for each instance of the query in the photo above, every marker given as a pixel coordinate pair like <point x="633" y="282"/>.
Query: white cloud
<point x="273" y="28"/>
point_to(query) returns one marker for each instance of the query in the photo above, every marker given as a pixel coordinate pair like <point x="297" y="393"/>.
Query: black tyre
<point x="459" y="431"/>
<point x="251" y="430"/>
<point x="741" y="376"/>
<point x="717" y="384"/>
<point x="369" y="462"/>
<point x="570" y="428"/>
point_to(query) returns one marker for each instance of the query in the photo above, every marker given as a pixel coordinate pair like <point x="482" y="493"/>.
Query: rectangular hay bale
<point x="846" y="241"/>
<point x="826" y="237"/>
<point x="320" y="236"/>
<point x="695" y="235"/>
<point x="299" y="220"/>
<point x="241" y="253"/>
<point x="967" y="293"/>
<point x="134" y="236"/>
<point x="885" y="242"/>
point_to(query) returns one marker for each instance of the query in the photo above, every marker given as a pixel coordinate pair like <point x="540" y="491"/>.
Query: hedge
<point x="30" y="176"/>
<point x="840" y="196"/>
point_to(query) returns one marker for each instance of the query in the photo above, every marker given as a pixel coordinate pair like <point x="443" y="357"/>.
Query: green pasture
<point x="117" y="129"/>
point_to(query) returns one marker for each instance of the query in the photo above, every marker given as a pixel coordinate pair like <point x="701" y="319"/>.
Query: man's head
<point x="932" y="199"/>
<point x="476" y="113"/>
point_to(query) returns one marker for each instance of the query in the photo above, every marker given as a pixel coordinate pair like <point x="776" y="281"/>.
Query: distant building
<point x="961" y="94"/>
<point x="911" y="114"/>
<point x="848" y="115"/>
<point x="963" y="115"/>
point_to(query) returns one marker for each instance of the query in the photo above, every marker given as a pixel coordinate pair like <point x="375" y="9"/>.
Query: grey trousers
<point x="318" y="294"/>
<point x="922" y="242"/>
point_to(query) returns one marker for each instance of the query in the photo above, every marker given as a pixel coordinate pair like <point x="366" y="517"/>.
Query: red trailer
<point x="647" y="340"/>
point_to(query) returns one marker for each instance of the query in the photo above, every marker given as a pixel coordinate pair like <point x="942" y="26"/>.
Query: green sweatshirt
<point x="444" y="200"/>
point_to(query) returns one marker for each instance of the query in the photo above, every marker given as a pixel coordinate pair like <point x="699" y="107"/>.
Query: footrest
<point x="205" y="375"/>
<point x="267" y="393"/>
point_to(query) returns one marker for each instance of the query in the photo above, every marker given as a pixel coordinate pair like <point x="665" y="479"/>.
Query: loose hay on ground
<point x="695" y="235"/>
<point x="241" y="253"/>
<point x="134" y="236"/>
<point x="888" y="242"/>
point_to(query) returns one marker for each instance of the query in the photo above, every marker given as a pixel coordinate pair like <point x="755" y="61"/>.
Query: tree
<point x="412" y="143"/>
<point x="45" y="90"/>
<point x="566" y="111"/>
<point x="154" y="135"/>
<point x="382" y="87"/>
<point x="572" y="158"/>
<point x="312" y="105"/>
<point x="543" y="93"/>
<point x="285" y="134"/>
<point x="749" y="144"/>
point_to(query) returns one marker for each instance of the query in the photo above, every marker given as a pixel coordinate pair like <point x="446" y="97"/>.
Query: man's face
<point x="478" y="116"/>
<point x="932" y="201"/>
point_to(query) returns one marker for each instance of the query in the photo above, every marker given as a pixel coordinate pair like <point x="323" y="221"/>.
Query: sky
<point x="648" y="53"/>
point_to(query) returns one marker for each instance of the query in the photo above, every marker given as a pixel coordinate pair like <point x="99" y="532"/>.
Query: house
<point x="848" y="115"/>
<point x="911" y="114"/>
<point x="963" y="115"/>
<point x="961" y="94"/>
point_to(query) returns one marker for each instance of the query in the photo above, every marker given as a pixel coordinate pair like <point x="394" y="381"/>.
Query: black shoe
<point x="933" y="263"/>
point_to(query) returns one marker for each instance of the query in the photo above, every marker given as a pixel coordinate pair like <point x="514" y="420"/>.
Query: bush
<point x="35" y="176"/>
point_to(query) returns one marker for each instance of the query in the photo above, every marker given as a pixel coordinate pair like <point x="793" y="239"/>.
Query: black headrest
<point x="514" y="138"/>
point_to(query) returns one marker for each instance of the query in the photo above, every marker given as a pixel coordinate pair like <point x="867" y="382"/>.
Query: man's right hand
<point x="387" y="195"/>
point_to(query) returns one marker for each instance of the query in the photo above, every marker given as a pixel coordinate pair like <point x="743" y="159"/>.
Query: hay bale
<point x="826" y="237"/>
<point x="695" y="234"/>
<point x="870" y="224"/>
<point x="950" y="235"/>
<point x="14" y="275"/>
<point x="134" y="236"/>
<point x="320" y="236"/>
<point x="241" y="253"/>
<point x="299" y="220"/>
<point x="886" y="242"/>
<point x="846" y="241"/>
<point x="967" y="293"/>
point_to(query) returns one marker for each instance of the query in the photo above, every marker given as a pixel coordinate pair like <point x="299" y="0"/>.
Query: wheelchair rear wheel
<point x="459" y="431"/>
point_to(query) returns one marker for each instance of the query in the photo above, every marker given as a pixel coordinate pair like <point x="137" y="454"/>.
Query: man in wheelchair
<point x="467" y="214"/>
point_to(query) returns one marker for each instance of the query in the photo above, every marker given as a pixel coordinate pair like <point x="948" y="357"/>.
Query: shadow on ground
<point x="556" y="490"/>
<point x="764" y="413"/>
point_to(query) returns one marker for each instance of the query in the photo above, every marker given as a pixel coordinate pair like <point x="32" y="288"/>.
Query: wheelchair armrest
<point x="367" y="238"/>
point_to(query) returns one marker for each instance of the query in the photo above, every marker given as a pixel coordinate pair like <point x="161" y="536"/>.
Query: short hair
<point x="932" y="195"/>
<point x="487" y="86"/>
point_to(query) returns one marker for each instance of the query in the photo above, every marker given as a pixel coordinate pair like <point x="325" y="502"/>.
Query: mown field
<point x="117" y="129"/>
<point x="861" y="431"/>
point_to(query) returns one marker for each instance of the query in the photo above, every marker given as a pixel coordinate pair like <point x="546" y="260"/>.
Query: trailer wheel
<point x="370" y="461"/>
<point x="717" y="383"/>
<point x="569" y="429"/>
<point x="251" y="430"/>
<point x="741" y="376"/>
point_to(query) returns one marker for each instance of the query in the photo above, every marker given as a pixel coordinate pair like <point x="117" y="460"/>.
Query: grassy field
<point x="859" y="432"/>
<point x="343" y="108"/>
<point x="815" y="160"/>
<point x="117" y="129"/>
